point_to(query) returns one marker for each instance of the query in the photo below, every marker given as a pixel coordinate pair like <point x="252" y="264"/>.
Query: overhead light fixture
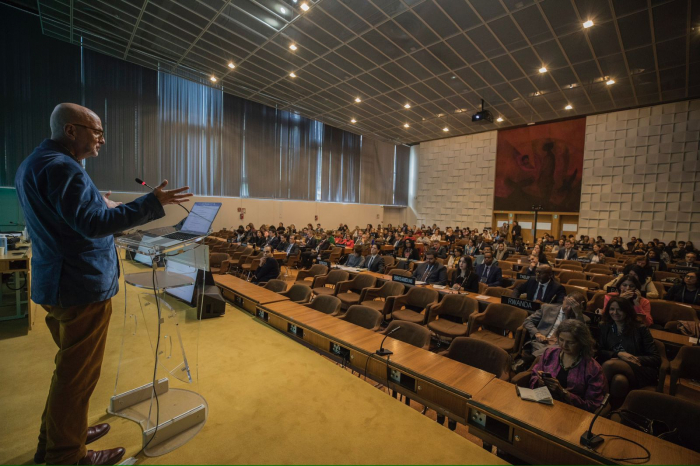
<point x="537" y="93"/>
<point x="304" y="6"/>
<point x="499" y="119"/>
<point x="292" y="75"/>
<point x="213" y="79"/>
<point x="231" y="65"/>
<point x="445" y="129"/>
<point x="283" y="10"/>
<point x="568" y="107"/>
<point x="543" y="70"/>
<point x="407" y="106"/>
<point x="353" y="121"/>
<point x="405" y="125"/>
<point x="587" y="24"/>
<point x="610" y="82"/>
<point x="358" y="100"/>
<point x="292" y="46"/>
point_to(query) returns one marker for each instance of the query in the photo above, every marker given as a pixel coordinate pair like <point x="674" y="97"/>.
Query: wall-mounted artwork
<point x="540" y="165"/>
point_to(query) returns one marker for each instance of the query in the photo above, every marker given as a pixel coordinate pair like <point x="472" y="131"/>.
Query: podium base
<point x="182" y="414"/>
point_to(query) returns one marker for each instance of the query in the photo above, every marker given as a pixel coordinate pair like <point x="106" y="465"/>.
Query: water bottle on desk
<point x="3" y="245"/>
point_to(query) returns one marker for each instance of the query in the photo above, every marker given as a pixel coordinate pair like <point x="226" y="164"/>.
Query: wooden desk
<point x="17" y="262"/>
<point x="245" y="294"/>
<point x="440" y="383"/>
<point x="539" y="433"/>
<point x="675" y="339"/>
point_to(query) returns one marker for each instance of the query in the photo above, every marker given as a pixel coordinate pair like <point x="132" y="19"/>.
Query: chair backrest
<point x="576" y="267"/>
<point x="571" y="288"/>
<point x="389" y="261"/>
<point x="299" y="292"/>
<point x="660" y="288"/>
<point x="676" y="413"/>
<point x="391" y="289"/>
<point x="419" y="298"/>
<point x="482" y="355"/>
<point x="497" y="291"/>
<point x="317" y="269"/>
<point x="597" y="268"/>
<point x="325" y="303"/>
<point x="660" y="275"/>
<point x="363" y="316"/>
<point x="602" y="280"/>
<point x="335" y="276"/>
<point x="689" y="358"/>
<point x="277" y="286"/>
<point x="362" y="281"/>
<point x="456" y="305"/>
<point x="665" y="311"/>
<point x="503" y="316"/>
<point x="401" y="272"/>
<point x="215" y="259"/>
<point x="410" y="333"/>
<point x="567" y="275"/>
<point x="576" y="264"/>
<point x="584" y="283"/>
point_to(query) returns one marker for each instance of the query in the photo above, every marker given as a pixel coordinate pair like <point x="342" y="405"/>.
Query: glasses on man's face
<point x="99" y="132"/>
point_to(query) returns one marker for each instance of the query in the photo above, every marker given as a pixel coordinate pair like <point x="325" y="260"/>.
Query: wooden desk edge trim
<point x="466" y="396"/>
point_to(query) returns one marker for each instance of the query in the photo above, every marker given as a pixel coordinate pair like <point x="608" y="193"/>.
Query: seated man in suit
<point x="268" y="269"/>
<point x="431" y="271"/>
<point x="307" y="257"/>
<point x="568" y="253"/>
<point x="282" y="242"/>
<point x="374" y="262"/>
<point x="441" y="251"/>
<point x="542" y="287"/>
<point x="292" y="248"/>
<point x="542" y="325"/>
<point x="489" y="272"/>
<point x="272" y="239"/>
<point x="690" y="258"/>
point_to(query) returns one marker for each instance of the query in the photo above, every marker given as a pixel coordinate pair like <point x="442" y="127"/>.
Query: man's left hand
<point x="110" y="204"/>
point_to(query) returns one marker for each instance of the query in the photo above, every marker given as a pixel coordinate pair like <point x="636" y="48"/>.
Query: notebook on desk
<point x="538" y="395"/>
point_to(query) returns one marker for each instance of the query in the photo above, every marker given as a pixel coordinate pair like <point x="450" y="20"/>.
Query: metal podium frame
<point x="168" y="415"/>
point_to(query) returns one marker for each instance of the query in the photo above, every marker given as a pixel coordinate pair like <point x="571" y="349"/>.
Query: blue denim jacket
<point x="74" y="261"/>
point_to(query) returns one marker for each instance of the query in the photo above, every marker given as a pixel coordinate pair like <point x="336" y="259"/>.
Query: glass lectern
<point x="157" y="383"/>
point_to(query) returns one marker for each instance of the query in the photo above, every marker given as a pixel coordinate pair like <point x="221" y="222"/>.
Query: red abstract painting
<point x="540" y="165"/>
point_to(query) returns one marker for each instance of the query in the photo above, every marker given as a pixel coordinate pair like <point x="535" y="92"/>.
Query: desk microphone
<point x="143" y="183"/>
<point x="383" y="351"/>
<point x="588" y="439"/>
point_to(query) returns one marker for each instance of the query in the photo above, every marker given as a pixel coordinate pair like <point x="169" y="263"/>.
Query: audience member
<point x="690" y="258"/>
<point x="630" y="290"/>
<point x="501" y="252"/>
<point x="596" y="256"/>
<point x="515" y="231"/>
<point x="464" y="277"/>
<point x="568" y="369"/>
<point x="269" y="268"/>
<point x="646" y="285"/>
<point x="431" y="271"/>
<point x="568" y="253"/>
<point x="488" y="272"/>
<point x="453" y="260"/>
<point x="409" y="251"/>
<point x="685" y="292"/>
<point x="356" y="259"/>
<point x="374" y="262"/>
<point x="542" y="287"/>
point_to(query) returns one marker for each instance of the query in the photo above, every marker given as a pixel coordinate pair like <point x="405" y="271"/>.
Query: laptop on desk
<point x="196" y="225"/>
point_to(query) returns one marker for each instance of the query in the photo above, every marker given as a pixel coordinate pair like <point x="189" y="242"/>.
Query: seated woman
<point x="558" y="246"/>
<point x="654" y="256"/>
<point x="356" y="259"/>
<point x="453" y="260"/>
<point x="470" y="249"/>
<point x="409" y="251"/>
<point x="646" y="286"/>
<point x="569" y="370"/>
<point x="596" y="256"/>
<point x="501" y="252"/>
<point x="686" y="292"/>
<point x="626" y="348"/>
<point x="630" y="290"/>
<point x="465" y="278"/>
<point x="541" y="256"/>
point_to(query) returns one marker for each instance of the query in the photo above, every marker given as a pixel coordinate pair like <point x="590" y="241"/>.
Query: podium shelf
<point x="163" y="280"/>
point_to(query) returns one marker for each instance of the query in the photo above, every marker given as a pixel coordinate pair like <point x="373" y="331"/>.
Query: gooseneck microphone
<point x="588" y="439"/>
<point x="383" y="351"/>
<point x="143" y="183"/>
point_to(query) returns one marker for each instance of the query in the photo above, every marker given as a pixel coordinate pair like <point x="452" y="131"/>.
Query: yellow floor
<point x="270" y="401"/>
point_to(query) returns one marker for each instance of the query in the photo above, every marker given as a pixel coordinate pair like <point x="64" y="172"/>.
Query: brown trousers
<point x="80" y="332"/>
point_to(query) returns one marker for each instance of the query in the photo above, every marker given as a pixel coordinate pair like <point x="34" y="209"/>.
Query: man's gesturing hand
<point x="171" y="196"/>
<point x="108" y="202"/>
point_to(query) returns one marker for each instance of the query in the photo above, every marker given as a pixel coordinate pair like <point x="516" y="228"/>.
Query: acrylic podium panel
<point x="160" y="344"/>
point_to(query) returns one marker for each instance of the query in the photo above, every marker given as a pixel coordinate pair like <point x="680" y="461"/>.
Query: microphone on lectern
<point x="588" y="439"/>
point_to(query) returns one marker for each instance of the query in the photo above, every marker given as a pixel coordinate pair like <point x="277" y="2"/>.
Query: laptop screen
<point x="201" y="217"/>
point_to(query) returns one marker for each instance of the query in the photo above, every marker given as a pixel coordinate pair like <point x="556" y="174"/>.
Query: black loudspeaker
<point x="212" y="303"/>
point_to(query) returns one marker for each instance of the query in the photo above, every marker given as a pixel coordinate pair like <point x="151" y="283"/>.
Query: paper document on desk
<point x="484" y="297"/>
<point x="418" y="282"/>
<point x="538" y="395"/>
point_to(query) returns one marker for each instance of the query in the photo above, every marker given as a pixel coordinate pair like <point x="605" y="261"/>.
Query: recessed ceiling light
<point x="588" y="24"/>
<point x="231" y="65"/>
<point x="304" y="6"/>
<point x="445" y="128"/>
<point x="531" y="123"/>
<point x="358" y="100"/>
<point x="568" y="107"/>
<point x="537" y="93"/>
<point x="283" y="10"/>
<point x="353" y="121"/>
<point x="292" y="75"/>
<point x="405" y="125"/>
<point x="543" y="70"/>
<point x="407" y="106"/>
<point x="292" y="46"/>
<point x="213" y="79"/>
<point x="499" y="119"/>
<point x="610" y="82"/>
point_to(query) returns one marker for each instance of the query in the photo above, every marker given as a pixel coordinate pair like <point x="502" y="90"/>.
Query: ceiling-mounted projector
<point x="483" y="116"/>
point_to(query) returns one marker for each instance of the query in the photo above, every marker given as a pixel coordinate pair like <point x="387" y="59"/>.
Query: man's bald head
<point x="544" y="273"/>
<point x="78" y="129"/>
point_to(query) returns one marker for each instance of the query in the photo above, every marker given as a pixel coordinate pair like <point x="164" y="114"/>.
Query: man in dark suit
<point x="690" y="258"/>
<point x="515" y="232"/>
<point x="431" y="271"/>
<point x="568" y="253"/>
<point x="268" y="269"/>
<point x="307" y="257"/>
<point x="488" y="272"/>
<point x="374" y="262"/>
<point x="441" y="251"/>
<point x="292" y="247"/>
<point x="542" y="287"/>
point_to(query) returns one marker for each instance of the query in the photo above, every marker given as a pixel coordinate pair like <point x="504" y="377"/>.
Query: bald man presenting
<point x="75" y="273"/>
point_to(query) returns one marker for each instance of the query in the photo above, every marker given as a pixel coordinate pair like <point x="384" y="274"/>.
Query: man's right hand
<point x="171" y="196"/>
<point x="541" y="338"/>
